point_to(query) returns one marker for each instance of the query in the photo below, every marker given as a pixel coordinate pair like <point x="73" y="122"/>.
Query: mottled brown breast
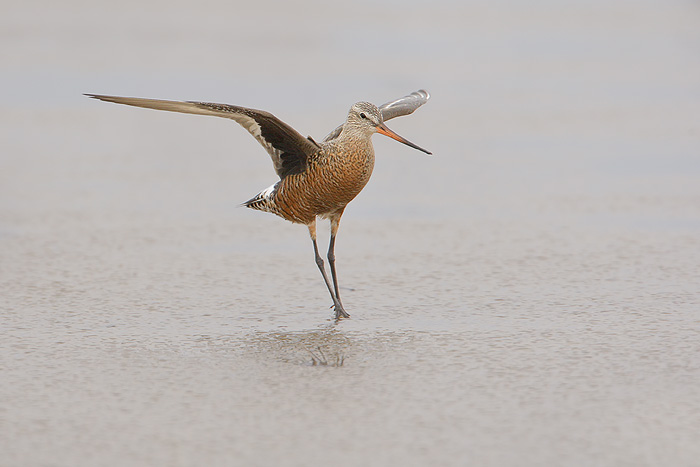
<point x="333" y="178"/>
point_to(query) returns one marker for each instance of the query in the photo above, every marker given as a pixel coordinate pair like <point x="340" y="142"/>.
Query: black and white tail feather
<point x="264" y="200"/>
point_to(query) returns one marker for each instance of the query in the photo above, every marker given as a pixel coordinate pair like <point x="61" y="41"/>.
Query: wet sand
<point x="527" y="296"/>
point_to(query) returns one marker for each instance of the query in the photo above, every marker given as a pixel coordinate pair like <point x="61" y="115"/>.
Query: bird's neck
<point x="354" y="135"/>
<point x="350" y="142"/>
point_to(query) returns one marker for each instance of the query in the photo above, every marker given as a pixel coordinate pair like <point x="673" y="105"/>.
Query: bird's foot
<point x="340" y="312"/>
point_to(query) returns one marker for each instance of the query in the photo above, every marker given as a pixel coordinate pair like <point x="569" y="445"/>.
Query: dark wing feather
<point x="397" y="108"/>
<point x="289" y="150"/>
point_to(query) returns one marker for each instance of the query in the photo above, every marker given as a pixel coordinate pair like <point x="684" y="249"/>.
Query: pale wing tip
<point x="423" y="93"/>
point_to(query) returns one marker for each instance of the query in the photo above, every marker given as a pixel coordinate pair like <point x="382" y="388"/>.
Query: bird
<point x="316" y="180"/>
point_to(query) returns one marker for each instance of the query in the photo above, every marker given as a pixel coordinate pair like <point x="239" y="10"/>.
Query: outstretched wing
<point x="397" y="108"/>
<point x="288" y="149"/>
<point x="405" y="105"/>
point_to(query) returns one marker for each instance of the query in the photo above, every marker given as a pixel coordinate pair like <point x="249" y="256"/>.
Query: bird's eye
<point x="362" y="115"/>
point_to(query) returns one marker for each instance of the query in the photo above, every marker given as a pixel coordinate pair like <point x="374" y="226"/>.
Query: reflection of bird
<point x="316" y="179"/>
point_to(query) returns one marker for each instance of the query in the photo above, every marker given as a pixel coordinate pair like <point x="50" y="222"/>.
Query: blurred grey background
<point x="527" y="296"/>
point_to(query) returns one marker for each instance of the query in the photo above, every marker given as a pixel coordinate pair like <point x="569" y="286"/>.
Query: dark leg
<point x="331" y="261"/>
<point x="335" y="222"/>
<point x="339" y="311"/>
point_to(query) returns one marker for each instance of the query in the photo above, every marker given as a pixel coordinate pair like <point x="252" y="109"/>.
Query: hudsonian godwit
<point x="316" y="179"/>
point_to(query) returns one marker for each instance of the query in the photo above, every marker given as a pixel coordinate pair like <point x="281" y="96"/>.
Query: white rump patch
<point x="268" y="191"/>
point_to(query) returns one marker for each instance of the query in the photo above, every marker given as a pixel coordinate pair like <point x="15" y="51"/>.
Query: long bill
<point x="383" y="129"/>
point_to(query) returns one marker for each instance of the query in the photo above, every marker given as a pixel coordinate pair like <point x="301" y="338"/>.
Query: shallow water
<point x="527" y="296"/>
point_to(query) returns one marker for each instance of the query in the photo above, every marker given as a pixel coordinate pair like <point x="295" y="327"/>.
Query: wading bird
<point x="316" y="179"/>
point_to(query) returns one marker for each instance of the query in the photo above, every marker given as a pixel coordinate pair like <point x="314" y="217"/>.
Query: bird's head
<point x="367" y="118"/>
